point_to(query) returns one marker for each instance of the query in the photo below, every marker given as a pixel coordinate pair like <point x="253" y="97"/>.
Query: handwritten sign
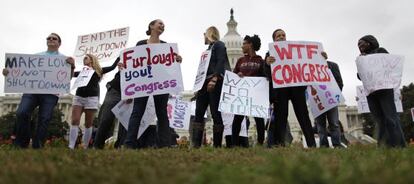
<point x="323" y="97"/>
<point x="179" y="113"/>
<point x="380" y="71"/>
<point x="83" y="78"/>
<point x="150" y="70"/>
<point x="202" y="70"/>
<point x="228" y="124"/>
<point x="104" y="45"/>
<point x="244" y="96"/>
<point x="123" y="111"/>
<point x="362" y="102"/>
<point x="298" y="64"/>
<point x="37" y="74"/>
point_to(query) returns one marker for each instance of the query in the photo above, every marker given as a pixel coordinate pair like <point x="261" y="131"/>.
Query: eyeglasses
<point x="51" y="38"/>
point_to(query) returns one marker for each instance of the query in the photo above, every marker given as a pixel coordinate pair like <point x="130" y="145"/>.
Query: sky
<point x="338" y="25"/>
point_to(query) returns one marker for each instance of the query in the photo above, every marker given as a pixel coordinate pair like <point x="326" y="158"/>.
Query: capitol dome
<point x="233" y="41"/>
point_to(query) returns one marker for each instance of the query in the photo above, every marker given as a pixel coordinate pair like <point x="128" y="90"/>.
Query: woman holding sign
<point x="280" y="98"/>
<point x="155" y="29"/>
<point x="250" y="65"/>
<point x="87" y="100"/>
<point x="381" y="102"/>
<point x="209" y="94"/>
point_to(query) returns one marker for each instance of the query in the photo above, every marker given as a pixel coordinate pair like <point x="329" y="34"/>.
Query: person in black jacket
<point x="87" y="100"/>
<point x="332" y="115"/>
<point x="280" y="98"/>
<point x="209" y="94"/>
<point x="381" y="102"/>
<point x="155" y="29"/>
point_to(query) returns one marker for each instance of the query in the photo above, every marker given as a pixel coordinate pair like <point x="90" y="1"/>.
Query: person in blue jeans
<point x="332" y="115"/>
<point x="45" y="102"/>
<point x="381" y="102"/>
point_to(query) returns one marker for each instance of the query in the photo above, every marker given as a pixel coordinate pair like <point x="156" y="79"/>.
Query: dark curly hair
<point x="254" y="40"/>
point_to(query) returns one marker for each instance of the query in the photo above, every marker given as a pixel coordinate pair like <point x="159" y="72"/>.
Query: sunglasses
<point x="51" y="38"/>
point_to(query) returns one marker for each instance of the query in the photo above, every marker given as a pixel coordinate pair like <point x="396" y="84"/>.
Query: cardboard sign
<point x="362" y="102"/>
<point x="179" y="113"/>
<point x="380" y="71"/>
<point x="37" y="74"/>
<point x="228" y="124"/>
<point x="150" y="70"/>
<point x="322" y="98"/>
<point x="298" y="64"/>
<point x="202" y="70"/>
<point x="104" y="45"/>
<point x="123" y="111"/>
<point x="247" y="96"/>
<point x="83" y="78"/>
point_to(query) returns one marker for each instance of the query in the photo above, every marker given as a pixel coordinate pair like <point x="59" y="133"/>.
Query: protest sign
<point x="298" y="64"/>
<point x="228" y="124"/>
<point x="244" y="95"/>
<point x="323" y="97"/>
<point x="123" y="111"/>
<point x="179" y="113"/>
<point x="37" y="74"/>
<point x="202" y="70"/>
<point x="362" y="102"/>
<point x="104" y="45"/>
<point x="380" y="71"/>
<point x="83" y="78"/>
<point x="151" y="69"/>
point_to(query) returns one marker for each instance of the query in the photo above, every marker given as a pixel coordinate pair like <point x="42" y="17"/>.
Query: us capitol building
<point x="348" y="115"/>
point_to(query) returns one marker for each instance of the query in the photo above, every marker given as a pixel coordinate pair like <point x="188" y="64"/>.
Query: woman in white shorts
<point x="87" y="100"/>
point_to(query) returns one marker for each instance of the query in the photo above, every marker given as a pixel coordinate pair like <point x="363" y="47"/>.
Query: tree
<point x="407" y="124"/>
<point x="57" y="127"/>
<point x="7" y="123"/>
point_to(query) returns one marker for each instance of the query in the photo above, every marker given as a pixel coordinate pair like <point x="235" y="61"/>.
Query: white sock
<point x="73" y="135"/>
<point x="87" y="137"/>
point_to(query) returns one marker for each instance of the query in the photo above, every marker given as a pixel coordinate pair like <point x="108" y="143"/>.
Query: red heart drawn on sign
<point x="15" y="73"/>
<point x="62" y="75"/>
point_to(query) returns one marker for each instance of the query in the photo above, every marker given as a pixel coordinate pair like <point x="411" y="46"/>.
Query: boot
<point x="217" y="135"/>
<point x="197" y="134"/>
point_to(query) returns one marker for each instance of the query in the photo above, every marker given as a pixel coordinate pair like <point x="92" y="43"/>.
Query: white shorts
<point x="86" y="102"/>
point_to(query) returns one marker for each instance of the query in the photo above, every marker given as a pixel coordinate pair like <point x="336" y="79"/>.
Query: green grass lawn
<point x="361" y="164"/>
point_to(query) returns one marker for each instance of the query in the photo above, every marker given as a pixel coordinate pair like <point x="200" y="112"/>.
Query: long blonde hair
<point x="212" y="34"/>
<point x="95" y="65"/>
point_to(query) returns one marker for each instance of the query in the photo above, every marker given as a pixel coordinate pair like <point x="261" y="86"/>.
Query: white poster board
<point x="298" y="63"/>
<point x="228" y="124"/>
<point x="123" y="110"/>
<point x="37" y="74"/>
<point x="150" y="70"/>
<point x="247" y="96"/>
<point x="380" y="71"/>
<point x="105" y="45"/>
<point x="179" y="113"/>
<point x="83" y="78"/>
<point x="202" y="70"/>
<point x="362" y="102"/>
<point x="323" y="97"/>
